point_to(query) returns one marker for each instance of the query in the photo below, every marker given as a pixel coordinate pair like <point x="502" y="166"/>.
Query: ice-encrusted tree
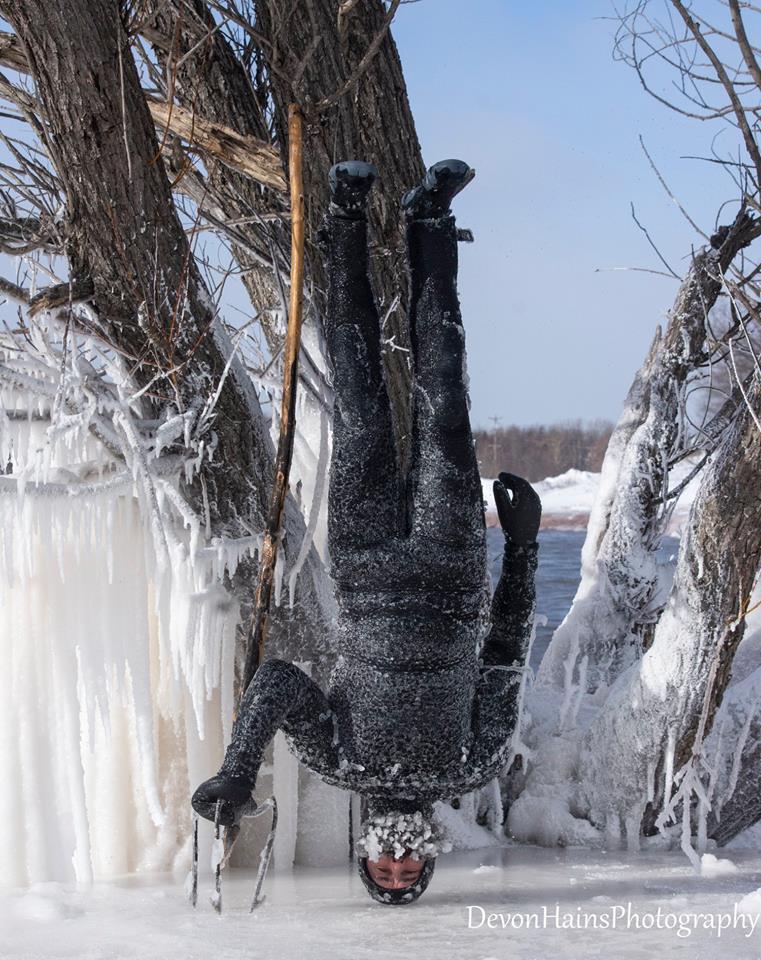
<point x="629" y="731"/>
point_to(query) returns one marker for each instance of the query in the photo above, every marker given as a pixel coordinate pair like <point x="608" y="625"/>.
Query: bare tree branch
<point x="254" y="158"/>
<point x="744" y="43"/>
<point x="721" y="73"/>
<point x="245" y="154"/>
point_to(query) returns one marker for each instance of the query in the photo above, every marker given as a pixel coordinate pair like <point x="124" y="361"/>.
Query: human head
<point x="397" y="895"/>
<point x="396" y="851"/>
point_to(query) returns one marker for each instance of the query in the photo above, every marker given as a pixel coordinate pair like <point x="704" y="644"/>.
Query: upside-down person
<point x="413" y="713"/>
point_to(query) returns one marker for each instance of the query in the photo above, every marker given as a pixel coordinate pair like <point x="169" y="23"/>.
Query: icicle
<point x="737" y="757"/>
<point x="569" y="686"/>
<point x="632" y="823"/>
<point x="115" y="609"/>
<point x="686" y="836"/>
<point x="668" y="767"/>
<point x="650" y="792"/>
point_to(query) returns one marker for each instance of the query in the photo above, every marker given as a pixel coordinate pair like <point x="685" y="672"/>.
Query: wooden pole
<point x="258" y="634"/>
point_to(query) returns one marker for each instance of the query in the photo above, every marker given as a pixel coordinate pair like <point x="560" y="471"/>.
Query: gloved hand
<point x="235" y="796"/>
<point x="520" y="518"/>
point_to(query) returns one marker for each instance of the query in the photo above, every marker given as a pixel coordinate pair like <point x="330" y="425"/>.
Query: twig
<point x="652" y="244"/>
<point x="656" y="273"/>
<point x="13" y="291"/>
<point x="744" y="43"/>
<point x="668" y="190"/>
<point x="121" y="96"/>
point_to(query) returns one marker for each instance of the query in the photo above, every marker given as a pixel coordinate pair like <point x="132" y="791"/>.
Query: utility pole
<point x="495" y="421"/>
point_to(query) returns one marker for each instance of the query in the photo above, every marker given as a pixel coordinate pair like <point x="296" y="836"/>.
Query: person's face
<point x="394" y="874"/>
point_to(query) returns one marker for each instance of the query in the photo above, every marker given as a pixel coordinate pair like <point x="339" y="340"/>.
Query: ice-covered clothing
<point x="410" y="716"/>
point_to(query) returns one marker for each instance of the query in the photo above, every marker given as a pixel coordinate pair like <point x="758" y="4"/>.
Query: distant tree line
<point x="542" y="450"/>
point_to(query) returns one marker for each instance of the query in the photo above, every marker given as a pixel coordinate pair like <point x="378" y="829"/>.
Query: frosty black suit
<point x="410" y="715"/>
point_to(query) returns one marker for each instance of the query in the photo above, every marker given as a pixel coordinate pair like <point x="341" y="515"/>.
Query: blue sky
<point x="529" y="95"/>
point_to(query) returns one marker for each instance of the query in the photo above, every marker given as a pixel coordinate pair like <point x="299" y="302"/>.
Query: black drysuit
<point x="410" y="715"/>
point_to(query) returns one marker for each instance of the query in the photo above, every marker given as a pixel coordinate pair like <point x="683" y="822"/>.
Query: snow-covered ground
<point x="571" y="903"/>
<point x="568" y="498"/>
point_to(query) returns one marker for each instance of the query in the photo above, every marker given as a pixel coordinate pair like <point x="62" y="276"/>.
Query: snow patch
<point x="751" y="903"/>
<point x="712" y="866"/>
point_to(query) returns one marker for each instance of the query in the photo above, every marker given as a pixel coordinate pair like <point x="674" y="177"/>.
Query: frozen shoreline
<point x="326" y="911"/>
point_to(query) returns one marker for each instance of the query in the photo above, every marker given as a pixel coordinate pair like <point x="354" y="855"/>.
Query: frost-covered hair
<point x="399" y="833"/>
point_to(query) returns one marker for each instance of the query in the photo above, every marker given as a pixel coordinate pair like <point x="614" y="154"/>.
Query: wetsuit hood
<point x="396" y="897"/>
<point x="399" y="827"/>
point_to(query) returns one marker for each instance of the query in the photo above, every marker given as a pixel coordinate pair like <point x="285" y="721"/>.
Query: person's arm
<point x="512" y="607"/>
<point x="514" y="600"/>
<point x="504" y="654"/>
<point x="280" y="696"/>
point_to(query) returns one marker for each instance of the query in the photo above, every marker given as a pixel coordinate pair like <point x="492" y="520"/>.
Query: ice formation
<point x="118" y="689"/>
<point x="115" y="623"/>
<point x="117" y="627"/>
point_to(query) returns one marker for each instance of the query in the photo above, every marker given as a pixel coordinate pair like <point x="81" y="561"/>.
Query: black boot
<point x="350" y="184"/>
<point x="431" y="198"/>
<point x="235" y="796"/>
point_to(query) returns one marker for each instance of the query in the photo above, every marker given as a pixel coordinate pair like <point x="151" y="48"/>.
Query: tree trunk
<point x="309" y="62"/>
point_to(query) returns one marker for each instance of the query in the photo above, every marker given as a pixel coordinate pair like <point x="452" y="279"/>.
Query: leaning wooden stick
<point x="258" y="633"/>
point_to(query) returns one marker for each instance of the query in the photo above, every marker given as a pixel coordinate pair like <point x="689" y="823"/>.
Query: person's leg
<point x="363" y="498"/>
<point x="447" y="501"/>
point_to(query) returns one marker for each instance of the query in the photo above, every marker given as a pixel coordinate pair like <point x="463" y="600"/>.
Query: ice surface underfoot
<point x="325" y="912"/>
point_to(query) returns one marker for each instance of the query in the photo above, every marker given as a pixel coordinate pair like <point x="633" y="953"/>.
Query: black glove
<point x="235" y="797"/>
<point x="520" y="518"/>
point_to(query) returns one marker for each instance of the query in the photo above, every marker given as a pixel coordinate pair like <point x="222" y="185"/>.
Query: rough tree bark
<point x="249" y="154"/>
<point x="310" y="62"/>
<point x="124" y="235"/>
